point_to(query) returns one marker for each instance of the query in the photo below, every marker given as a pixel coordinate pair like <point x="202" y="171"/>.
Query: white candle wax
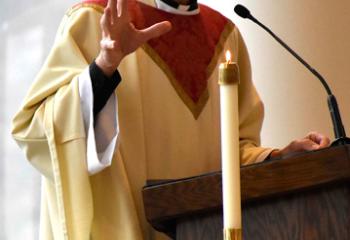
<point x="230" y="156"/>
<point x="231" y="187"/>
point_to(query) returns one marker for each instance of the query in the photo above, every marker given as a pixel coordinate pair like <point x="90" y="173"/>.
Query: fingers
<point x="318" y="138"/>
<point x="122" y="7"/>
<point x="301" y="145"/>
<point x="106" y="21"/>
<point x="296" y="146"/>
<point x="111" y="5"/>
<point x="308" y="145"/>
<point x="312" y="141"/>
<point x="154" y="31"/>
<point x="116" y="9"/>
<point x="326" y="142"/>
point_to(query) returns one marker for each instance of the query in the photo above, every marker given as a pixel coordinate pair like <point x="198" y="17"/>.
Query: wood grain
<point x="266" y="180"/>
<point x="313" y="215"/>
<point x="320" y="214"/>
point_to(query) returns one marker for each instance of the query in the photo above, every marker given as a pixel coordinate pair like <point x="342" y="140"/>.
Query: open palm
<point x="120" y="37"/>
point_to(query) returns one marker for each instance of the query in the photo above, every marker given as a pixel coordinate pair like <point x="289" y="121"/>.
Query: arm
<point x="252" y="114"/>
<point x="57" y="82"/>
<point x="312" y="141"/>
<point x="75" y="47"/>
<point x="251" y="108"/>
<point x="120" y="37"/>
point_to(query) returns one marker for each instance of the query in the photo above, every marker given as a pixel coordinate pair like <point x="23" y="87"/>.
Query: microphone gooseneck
<point x="339" y="132"/>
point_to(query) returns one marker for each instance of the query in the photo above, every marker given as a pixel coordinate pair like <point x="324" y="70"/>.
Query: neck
<point x="181" y="7"/>
<point x="185" y="2"/>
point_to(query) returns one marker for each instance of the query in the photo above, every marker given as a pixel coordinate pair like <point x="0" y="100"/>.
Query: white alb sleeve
<point x="101" y="139"/>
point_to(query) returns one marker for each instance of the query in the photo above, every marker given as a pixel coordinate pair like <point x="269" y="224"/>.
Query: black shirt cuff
<point x="102" y="86"/>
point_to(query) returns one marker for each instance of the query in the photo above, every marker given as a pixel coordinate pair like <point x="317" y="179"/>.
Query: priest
<point x="96" y="139"/>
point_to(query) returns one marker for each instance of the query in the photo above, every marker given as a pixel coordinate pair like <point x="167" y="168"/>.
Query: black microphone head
<point x="242" y="11"/>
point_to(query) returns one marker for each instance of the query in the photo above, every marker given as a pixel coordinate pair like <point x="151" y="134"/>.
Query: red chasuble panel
<point x="187" y="54"/>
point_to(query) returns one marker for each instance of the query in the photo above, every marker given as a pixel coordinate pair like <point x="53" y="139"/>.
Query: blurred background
<point x="27" y="30"/>
<point x="295" y="102"/>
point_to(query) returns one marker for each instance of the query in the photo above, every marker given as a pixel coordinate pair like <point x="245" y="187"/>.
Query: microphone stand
<point x="339" y="132"/>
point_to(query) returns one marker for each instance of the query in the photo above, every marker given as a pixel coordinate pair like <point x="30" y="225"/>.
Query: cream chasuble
<point x="160" y="136"/>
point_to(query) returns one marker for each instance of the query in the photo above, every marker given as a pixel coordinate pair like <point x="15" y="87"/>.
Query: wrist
<point x="276" y="153"/>
<point x="107" y="67"/>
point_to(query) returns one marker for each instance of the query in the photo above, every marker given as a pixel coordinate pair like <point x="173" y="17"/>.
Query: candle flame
<point x="228" y="56"/>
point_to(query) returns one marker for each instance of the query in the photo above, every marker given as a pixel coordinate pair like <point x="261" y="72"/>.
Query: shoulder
<point x="86" y="5"/>
<point x="214" y="16"/>
<point x="217" y="24"/>
<point x="81" y="21"/>
<point x="82" y="13"/>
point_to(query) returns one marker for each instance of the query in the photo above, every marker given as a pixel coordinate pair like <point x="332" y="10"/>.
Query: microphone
<point x="242" y="11"/>
<point x="339" y="132"/>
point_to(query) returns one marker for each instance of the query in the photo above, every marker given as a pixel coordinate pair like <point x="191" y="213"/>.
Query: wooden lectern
<point x="302" y="197"/>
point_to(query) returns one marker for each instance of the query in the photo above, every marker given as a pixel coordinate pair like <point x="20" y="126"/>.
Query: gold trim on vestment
<point x="219" y="48"/>
<point x="195" y="108"/>
<point x="95" y="6"/>
<point x="232" y="234"/>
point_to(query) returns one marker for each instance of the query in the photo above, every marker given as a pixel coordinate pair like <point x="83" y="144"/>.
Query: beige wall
<point x="295" y="102"/>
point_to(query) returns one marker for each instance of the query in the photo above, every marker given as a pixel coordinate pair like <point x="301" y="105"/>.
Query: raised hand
<point x="120" y="37"/>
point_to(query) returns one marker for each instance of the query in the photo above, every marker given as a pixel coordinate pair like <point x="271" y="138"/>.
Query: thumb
<point x="155" y="31"/>
<point x="309" y="145"/>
